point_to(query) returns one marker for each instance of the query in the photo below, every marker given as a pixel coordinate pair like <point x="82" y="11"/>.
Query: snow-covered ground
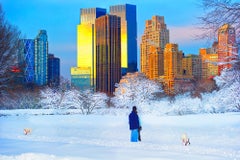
<point x="106" y="137"/>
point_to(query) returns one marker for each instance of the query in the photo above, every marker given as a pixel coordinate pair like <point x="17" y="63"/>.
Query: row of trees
<point x="135" y="89"/>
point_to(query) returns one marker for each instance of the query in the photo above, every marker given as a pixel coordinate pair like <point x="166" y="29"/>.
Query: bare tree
<point x="183" y="86"/>
<point x="94" y="100"/>
<point x="20" y="99"/>
<point x="217" y="13"/>
<point x="9" y="41"/>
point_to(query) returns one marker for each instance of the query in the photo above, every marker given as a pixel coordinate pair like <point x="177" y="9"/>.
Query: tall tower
<point x="155" y="35"/>
<point x="227" y="47"/>
<point x="108" y="53"/>
<point x="26" y="59"/>
<point x="84" y="74"/>
<point x="41" y="58"/>
<point x="127" y="13"/>
<point x="172" y="66"/>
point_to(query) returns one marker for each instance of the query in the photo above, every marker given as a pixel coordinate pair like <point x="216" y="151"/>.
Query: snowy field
<point x="106" y="137"/>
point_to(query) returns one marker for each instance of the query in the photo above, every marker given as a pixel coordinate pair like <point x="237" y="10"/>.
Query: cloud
<point x="185" y="37"/>
<point x="184" y="34"/>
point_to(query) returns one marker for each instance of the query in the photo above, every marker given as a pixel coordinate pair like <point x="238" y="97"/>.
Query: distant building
<point x="209" y="60"/>
<point x="53" y="70"/>
<point x="84" y="75"/>
<point x="172" y="66"/>
<point x="41" y="58"/>
<point x="26" y="60"/>
<point x="191" y="65"/>
<point x="36" y="66"/>
<point x="108" y="53"/>
<point x="128" y="15"/>
<point x="155" y="35"/>
<point x="80" y="77"/>
<point x="227" y="47"/>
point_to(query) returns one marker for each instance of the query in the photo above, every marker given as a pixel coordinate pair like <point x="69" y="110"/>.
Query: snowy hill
<point x="94" y="137"/>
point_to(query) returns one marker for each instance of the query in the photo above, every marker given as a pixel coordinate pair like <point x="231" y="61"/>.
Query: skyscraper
<point x="227" y="47"/>
<point x="127" y="12"/>
<point x="41" y="58"/>
<point x="26" y="60"/>
<point x="53" y="70"/>
<point x="84" y="74"/>
<point x="155" y="34"/>
<point x="108" y="53"/>
<point x="172" y="66"/>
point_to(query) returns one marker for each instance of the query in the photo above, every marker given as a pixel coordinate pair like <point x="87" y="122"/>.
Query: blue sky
<point x="61" y="17"/>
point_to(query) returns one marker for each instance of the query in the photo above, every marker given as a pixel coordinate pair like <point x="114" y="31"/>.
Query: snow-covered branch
<point x="135" y="89"/>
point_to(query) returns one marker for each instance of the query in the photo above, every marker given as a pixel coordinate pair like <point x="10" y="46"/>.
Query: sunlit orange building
<point x="209" y="59"/>
<point x="154" y="39"/>
<point x="227" y="48"/>
<point x="172" y="66"/>
<point x="155" y="59"/>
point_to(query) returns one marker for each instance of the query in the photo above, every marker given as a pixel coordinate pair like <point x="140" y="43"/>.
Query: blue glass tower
<point x="53" y="70"/>
<point x="127" y="12"/>
<point x="41" y="58"/>
<point x="26" y="59"/>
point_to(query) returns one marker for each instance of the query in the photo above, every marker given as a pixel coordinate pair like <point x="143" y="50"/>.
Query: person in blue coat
<point x="134" y="125"/>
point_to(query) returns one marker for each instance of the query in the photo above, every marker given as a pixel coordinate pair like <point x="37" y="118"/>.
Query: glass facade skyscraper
<point x="41" y="58"/>
<point x="26" y="59"/>
<point x="53" y="70"/>
<point x="108" y="53"/>
<point x="84" y="74"/>
<point x="127" y="12"/>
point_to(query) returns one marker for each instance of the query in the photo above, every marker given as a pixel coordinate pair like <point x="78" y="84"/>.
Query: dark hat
<point x="134" y="108"/>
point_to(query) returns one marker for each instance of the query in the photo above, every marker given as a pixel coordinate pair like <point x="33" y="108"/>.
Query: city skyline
<point x="60" y="19"/>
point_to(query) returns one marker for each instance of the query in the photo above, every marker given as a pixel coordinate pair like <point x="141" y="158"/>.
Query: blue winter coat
<point x="133" y="121"/>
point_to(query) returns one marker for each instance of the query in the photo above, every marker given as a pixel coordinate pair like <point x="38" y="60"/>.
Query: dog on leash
<point x="185" y="139"/>
<point x="27" y="131"/>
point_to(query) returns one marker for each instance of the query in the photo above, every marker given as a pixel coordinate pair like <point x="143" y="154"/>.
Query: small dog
<point x="185" y="139"/>
<point x="27" y="131"/>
